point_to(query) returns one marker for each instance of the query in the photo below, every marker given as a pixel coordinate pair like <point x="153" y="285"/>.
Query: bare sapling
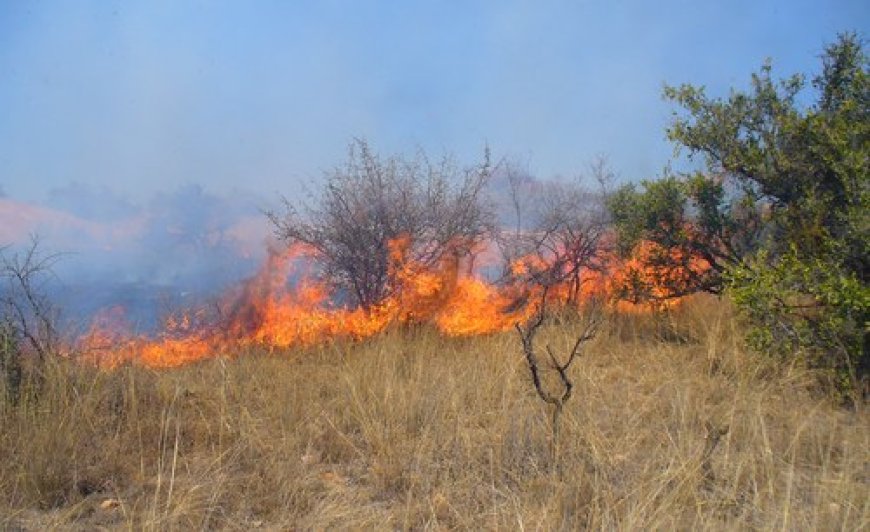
<point x="558" y="397"/>
<point x="27" y="314"/>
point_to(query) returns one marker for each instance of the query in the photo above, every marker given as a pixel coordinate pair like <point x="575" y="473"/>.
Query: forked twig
<point x="527" y="335"/>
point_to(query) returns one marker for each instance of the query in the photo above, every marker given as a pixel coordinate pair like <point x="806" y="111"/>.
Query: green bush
<point x="782" y="210"/>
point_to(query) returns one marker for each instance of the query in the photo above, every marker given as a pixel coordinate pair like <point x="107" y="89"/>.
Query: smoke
<point x="171" y="250"/>
<point x="98" y="204"/>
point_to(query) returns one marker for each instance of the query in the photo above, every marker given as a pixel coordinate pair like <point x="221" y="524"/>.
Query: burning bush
<point x="564" y="244"/>
<point x="389" y="242"/>
<point x="370" y="202"/>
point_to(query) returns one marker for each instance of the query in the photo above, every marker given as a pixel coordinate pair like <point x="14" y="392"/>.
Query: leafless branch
<point x="370" y="202"/>
<point x="565" y="231"/>
<point x="558" y="398"/>
<point x="25" y="305"/>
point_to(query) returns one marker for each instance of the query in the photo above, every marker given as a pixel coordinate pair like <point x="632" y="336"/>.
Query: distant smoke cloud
<point x="180" y="244"/>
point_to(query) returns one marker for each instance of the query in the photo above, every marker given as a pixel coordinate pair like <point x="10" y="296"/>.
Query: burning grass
<point x="412" y="429"/>
<point x="287" y="305"/>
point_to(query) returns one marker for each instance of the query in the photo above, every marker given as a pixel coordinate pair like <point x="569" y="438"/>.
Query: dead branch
<point x="558" y="398"/>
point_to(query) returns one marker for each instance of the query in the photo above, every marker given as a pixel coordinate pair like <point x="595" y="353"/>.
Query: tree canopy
<point x="779" y="213"/>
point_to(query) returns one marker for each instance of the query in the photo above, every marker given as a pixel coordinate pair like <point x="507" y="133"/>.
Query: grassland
<point x="410" y="430"/>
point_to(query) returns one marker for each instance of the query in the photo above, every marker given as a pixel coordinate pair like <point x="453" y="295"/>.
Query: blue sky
<point x="257" y="95"/>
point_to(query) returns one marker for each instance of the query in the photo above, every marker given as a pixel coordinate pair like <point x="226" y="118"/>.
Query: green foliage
<point x="807" y="304"/>
<point x="781" y="212"/>
<point x="689" y="221"/>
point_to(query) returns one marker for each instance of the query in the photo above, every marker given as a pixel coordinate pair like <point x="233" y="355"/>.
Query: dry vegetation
<point x="671" y="425"/>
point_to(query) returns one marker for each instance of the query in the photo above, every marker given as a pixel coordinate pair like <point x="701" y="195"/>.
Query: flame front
<point x="266" y="311"/>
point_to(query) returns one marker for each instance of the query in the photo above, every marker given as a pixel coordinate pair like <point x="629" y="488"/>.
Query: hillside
<point x="672" y="425"/>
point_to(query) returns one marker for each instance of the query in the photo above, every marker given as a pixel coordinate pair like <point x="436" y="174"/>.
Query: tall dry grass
<point x="414" y="431"/>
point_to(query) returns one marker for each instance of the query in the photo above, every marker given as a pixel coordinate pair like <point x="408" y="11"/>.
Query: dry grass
<point x="414" y="431"/>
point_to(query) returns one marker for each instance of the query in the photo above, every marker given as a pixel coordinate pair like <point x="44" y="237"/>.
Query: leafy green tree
<point x="780" y="213"/>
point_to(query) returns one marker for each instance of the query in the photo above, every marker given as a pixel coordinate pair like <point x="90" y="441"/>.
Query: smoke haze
<point x="168" y="251"/>
<point x="130" y="131"/>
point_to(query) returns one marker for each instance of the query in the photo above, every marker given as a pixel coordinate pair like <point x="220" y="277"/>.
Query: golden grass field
<point x="411" y="430"/>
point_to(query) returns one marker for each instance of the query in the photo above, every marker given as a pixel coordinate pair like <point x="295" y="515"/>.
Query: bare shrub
<point x="566" y="231"/>
<point x="371" y="202"/>
<point x="27" y="315"/>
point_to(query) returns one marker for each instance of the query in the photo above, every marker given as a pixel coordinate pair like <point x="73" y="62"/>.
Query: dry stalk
<point x="711" y="440"/>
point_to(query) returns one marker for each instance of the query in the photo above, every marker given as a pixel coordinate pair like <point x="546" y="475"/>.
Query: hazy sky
<point x="258" y="95"/>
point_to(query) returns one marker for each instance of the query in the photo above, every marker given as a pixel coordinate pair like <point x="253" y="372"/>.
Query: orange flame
<point x="264" y="311"/>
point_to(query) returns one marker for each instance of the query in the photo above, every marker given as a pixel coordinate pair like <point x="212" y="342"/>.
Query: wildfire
<point x="268" y="311"/>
